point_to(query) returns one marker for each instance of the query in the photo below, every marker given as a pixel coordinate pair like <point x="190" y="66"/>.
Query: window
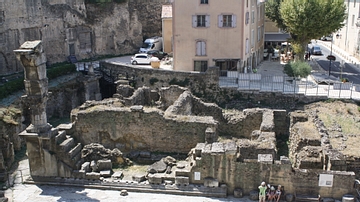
<point x="258" y="33"/>
<point x="252" y="16"/>
<point x="200" y="65"/>
<point x="247" y="46"/>
<point x="204" y="2"/>
<point x="247" y="18"/>
<point x="201" y="20"/>
<point x="247" y="3"/>
<point x="200" y="48"/>
<point x="252" y="38"/>
<point x="353" y="20"/>
<point x="227" y="21"/>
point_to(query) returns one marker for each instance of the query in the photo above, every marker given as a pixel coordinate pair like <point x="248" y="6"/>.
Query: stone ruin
<point x="228" y="151"/>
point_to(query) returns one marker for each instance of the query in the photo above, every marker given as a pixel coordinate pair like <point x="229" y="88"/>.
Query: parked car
<point x="316" y="50"/>
<point x="326" y="38"/>
<point x="157" y="53"/>
<point x="140" y="58"/>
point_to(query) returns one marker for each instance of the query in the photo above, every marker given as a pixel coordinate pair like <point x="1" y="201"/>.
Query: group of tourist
<point x="269" y="192"/>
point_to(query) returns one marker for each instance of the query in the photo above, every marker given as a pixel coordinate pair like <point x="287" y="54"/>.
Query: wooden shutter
<point x="194" y="21"/>
<point x="220" y="21"/>
<point x="203" y="48"/>
<point x="207" y="21"/>
<point x="233" y="22"/>
<point x="198" y="48"/>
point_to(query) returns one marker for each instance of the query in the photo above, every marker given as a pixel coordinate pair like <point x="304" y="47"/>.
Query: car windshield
<point x="146" y="45"/>
<point x="316" y="48"/>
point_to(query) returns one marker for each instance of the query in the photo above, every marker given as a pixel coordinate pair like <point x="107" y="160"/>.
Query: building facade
<point x="228" y="34"/>
<point x="348" y="37"/>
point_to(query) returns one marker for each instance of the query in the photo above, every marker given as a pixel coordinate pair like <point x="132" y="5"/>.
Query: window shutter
<point x="233" y="23"/>
<point x="198" y="48"/>
<point x="220" y="21"/>
<point x="203" y="48"/>
<point x="207" y="21"/>
<point x="247" y="18"/>
<point x="194" y="21"/>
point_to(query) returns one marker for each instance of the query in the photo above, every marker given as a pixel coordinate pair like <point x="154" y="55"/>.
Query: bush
<point x="297" y="69"/>
<point x="18" y="84"/>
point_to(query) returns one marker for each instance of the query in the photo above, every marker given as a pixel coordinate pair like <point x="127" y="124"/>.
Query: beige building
<point x="348" y="37"/>
<point x="228" y="34"/>
<point x="166" y="16"/>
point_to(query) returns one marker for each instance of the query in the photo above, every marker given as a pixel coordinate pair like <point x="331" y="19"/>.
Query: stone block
<point x="254" y="195"/>
<point x="238" y="193"/>
<point x="198" y="149"/>
<point x="105" y="173"/>
<point x="138" y="178"/>
<point x="80" y="174"/>
<point x="182" y="181"/>
<point x="154" y="179"/>
<point x="210" y="135"/>
<point x="230" y="148"/>
<point x="92" y="176"/>
<point x="285" y="160"/>
<point x="118" y="175"/>
<point x="123" y="192"/>
<point x="168" y="182"/>
<point x="104" y="165"/>
<point x="211" y="182"/>
<point x="157" y="167"/>
<point x="289" y="197"/>
<point x="86" y="167"/>
<point x="93" y="166"/>
<point x="137" y="108"/>
<point x="217" y="148"/>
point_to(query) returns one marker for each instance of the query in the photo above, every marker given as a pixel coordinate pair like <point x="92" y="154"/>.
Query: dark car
<point x="316" y="50"/>
<point x="157" y="53"/>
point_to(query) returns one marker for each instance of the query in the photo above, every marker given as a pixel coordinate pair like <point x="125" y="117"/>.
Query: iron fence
<point x="288" y="85"/>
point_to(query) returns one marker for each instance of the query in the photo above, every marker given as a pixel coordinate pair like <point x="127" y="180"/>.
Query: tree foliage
<point x="306" y="19"/>
<point x="297" y="69"/>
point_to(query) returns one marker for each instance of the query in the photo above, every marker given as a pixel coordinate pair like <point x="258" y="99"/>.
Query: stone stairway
<point x="67" y="150"/>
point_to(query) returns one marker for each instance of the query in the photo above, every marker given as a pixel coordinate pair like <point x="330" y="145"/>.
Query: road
<point x="350" y="71"/>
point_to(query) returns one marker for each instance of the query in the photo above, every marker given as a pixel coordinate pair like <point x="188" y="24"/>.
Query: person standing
<point x="262" y="192"/>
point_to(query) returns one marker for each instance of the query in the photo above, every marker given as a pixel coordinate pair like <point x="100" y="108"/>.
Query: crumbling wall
<point x="10" y="142"/>
<point x="137" y="129"/>
<point x="218" y="161"/>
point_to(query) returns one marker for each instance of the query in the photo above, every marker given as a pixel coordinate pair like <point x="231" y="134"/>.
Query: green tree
<point x="306" y="19"/>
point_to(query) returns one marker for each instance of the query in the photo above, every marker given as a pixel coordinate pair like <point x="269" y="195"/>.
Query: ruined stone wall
<point x="73" y="27"/>
<point x="10" y="142"/>
<point x="119" y="127"/>
<point x="248" y="175"/>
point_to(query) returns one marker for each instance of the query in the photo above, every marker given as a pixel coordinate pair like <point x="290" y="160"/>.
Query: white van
<point x="153" y="43"/>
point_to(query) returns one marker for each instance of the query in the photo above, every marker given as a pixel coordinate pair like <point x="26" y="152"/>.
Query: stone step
<point x="306" y="198"/>
<point x="77" y="157"/>
<point x="60" y="137"/>
<point x="74" y="151"/>
<point x="67" y="144"/>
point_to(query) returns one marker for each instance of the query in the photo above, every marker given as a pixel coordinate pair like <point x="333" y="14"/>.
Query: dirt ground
<point x="342" y="119"/>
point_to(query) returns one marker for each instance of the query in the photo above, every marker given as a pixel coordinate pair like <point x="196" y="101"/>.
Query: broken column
<point x="32" y="57"/>
<point x="39" y="132"/>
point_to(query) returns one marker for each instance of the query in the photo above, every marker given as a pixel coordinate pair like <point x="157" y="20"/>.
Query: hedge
<point x="18" y="84"/>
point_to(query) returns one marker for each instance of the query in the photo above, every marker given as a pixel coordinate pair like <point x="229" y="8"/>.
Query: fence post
<point x="294" y="82"/>
<point x="306" y="84"/>
<point x="328" y="90"/>
<point x="352" y="86"/>
<point x="340" y="90"/>
<point x="317" y="89"/>
<point x="284" y="84"/>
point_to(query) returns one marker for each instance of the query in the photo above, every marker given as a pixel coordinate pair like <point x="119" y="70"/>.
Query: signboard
<point x="331" y="57"/>
<point x="265" y="158"/>
<point x="326" y="180"/>
<point x="196" y="175"/>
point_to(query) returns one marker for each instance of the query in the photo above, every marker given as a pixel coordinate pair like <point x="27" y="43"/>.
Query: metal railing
<point x="288" y="85"/>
